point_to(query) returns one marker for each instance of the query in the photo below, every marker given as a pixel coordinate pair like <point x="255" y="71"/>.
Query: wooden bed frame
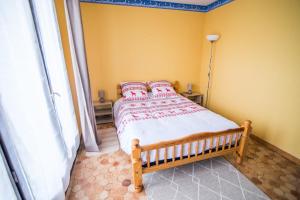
<point x="207" y="138"/>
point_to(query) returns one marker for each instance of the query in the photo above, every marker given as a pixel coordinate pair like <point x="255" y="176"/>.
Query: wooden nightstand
<point x="103" y="112"/>
<point x="195" y="97"/>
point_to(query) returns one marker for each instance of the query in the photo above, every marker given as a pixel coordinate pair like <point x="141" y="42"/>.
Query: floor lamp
<point x="211" y="39"/>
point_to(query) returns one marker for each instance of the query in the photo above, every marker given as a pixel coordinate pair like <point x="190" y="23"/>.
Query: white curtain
<point x="7" y="190"/>
<point x="77" y="47"/>
<point x="40" y="129"/>
<point x="57" y="75"/>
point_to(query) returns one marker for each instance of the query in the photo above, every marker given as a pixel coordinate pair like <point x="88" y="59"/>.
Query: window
<point x="38" y="121"/>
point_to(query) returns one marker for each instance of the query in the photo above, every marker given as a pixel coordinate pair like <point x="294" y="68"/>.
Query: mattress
<point x="155" y="120"/>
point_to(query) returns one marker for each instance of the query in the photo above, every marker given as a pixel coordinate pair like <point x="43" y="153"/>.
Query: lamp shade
<point x="212" y="38"/>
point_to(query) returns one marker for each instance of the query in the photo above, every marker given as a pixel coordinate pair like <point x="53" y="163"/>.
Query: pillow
<point x="134" y="91"/>
<point x="161" y="89"/>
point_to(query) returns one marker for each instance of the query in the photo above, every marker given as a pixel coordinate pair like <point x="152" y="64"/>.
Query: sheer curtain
<point x="7" y="190"/>
<point x="46" y="22"/>
<point x="36" y="112"/>
<point x="78" y="55"/>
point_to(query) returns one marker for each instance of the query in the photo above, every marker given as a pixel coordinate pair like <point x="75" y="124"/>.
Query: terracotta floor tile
<point x="272" y="173"/>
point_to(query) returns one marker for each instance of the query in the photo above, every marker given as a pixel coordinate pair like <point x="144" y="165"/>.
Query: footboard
<point x="192" y="148"/>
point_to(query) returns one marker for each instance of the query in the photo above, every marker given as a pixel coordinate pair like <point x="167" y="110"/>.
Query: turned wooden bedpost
<point x="243" y="141"/>
<point x="136" y="165"/>
<point x="176" y="86"/>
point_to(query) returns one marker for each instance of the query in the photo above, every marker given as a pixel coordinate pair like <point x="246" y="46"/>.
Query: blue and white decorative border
<point x="162" y="5"/>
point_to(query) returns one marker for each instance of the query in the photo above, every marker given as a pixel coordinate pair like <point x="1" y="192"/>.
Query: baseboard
<point x="276" y="149"/>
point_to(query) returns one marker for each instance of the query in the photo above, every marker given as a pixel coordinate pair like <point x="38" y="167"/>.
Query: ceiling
<point x="194" y="2"/>
<point x="187" y="5"/>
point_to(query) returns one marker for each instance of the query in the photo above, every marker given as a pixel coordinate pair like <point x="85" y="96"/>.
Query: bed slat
<point x="230" y="140"/>
<point x="210" y="144"/>
<point x="217" y="144"/>
<point x="203" y="147"/>
<point x="189" y="150"/>
<point x="157" y="155"/>
<point x="197" y="148"/>
<point x="181" y="151"/>
<point x="148" y="158"/>
<point x="174" y="153"/>
<point x="166" y="154"/>
<point x="236" y="140"/>
<point x="224" y="142"/>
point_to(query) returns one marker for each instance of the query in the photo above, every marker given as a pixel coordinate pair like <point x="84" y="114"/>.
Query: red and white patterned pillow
<point x="134" y="91"/>
<point x="161" y="89"/>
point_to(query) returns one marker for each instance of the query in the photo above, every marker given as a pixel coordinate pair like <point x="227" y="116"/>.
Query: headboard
<point x="175" y="85"/>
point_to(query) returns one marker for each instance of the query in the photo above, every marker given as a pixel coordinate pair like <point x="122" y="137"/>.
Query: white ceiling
<point x="194" y="2"/>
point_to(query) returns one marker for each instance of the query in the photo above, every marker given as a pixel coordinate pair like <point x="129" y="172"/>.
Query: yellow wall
<point x="256" y="67"/>
<point x="131" y="43"/>
<point x="256" y="72"/>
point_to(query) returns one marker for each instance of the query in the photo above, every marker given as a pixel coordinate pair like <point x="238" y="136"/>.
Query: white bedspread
<point x="156" y="120"/>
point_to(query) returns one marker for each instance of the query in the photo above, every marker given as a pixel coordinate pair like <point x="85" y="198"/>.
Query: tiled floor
<point x="278" y="177"/>
<point x="109" y="176"/>
<point x="105" y="177"/>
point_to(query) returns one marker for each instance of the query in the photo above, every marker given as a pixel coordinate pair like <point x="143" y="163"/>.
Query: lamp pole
<point x="209" y="72"/>
<point x="211" y="39"/>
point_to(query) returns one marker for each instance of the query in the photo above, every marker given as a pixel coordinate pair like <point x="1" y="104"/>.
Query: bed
<point x="173" y="131"/>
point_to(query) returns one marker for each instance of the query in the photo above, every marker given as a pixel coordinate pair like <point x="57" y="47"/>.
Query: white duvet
<point x="155" y="120"/>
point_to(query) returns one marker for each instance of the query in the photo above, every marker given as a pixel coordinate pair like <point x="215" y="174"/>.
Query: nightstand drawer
<point x="104" y="119"/>
<point x="103" y="112"/>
